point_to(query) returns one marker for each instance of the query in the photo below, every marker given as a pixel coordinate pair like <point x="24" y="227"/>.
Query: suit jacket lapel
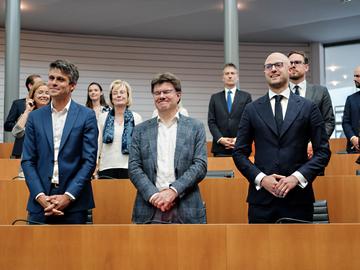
<point x="235" y="103"/>
<point x="180" y="139"/>
<point x="153" y="135"/>
<point x="309" y="94"/>
<point x="263" y="108"/>
<point x="69" y="123"/>
<point x="294" y="106"/>
<point x="223" y="101"/>
<point x="48" y="129"/>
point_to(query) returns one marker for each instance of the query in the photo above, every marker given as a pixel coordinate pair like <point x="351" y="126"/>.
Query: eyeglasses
<point x="277" y="66"/>
<point x="164" y="92"/>
<point x="296" y="63"/>
<point x="356" y="76"/>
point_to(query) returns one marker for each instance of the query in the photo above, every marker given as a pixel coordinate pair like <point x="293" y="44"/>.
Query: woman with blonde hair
<point x="38" y="97"/>
<point x="115" y="131"/>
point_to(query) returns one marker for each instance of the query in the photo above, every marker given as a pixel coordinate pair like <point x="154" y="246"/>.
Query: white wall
<point x="104" y="59"/>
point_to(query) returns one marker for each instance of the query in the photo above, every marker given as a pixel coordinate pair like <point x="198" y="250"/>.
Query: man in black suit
<point x="281" y="124"/>
<point x="225" y="110"/>
<point x="299" y="66"/>
<point x="17" y="108"/>
<point x="351" y="118"/>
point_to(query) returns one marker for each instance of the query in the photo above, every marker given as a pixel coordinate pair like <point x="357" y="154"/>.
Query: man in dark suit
<point x="281" y="124"/>
<point x="17" y="108"/>
<point x="351" y="117"/>
<point x="167" y="160"/>
<point x="59" y="155"/>
<point x="225" y="110"/>
<point x="299" y="63"/>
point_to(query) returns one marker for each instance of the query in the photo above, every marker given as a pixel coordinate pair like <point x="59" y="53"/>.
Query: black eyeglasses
<point x="296" y="63"/>
<point x="277" y="66"/>
<point x="356" y="76"/>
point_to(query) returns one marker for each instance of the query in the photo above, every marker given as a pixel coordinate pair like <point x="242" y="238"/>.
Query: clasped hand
<point x="54" y="205"/>
<point x="279" y="185"/>
<point x="164" y="200"/>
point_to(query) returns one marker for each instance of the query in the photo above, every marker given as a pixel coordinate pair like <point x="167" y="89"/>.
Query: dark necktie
<point x="296" y="87"/>
<point x="229" y="101"/>
<point x="278" y="112"/>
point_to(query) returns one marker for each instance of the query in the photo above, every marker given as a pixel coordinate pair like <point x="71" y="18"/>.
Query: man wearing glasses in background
<point x="351" y="118"/>
<point x="281" y="124"/>
<point x="299" y="66"/>
<point x="167" y="160"/>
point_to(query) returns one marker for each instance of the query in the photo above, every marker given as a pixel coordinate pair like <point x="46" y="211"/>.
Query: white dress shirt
<point x="302" y="88"/>
<point x="233" y="91"/>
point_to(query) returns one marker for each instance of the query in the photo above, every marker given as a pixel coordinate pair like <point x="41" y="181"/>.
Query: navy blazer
<point x="17" y="108"/>
<point x="190" y="163"/>
<point x="282" y="153"/>
<point x="351" y="119"/>
<point x="222" y="123"/>
<point x="76" y="159"/>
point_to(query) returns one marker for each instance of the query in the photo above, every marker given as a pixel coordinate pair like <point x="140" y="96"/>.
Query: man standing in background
<point x="351" y="118"/>
<point x="225" y="111"/>
<point x="299" y="66"/>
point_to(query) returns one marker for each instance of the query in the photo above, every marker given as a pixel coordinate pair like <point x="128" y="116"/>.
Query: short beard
<point x="357" y="84"/>
<point x="278" y="85"/>
<point x="294" y="77"/>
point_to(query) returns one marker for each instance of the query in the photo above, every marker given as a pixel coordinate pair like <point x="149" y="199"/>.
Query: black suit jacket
<point x="351" y="119"/>
<point x="17" y="108"/>
<point x="282" y="153"/>
<point x="222" y="123"/>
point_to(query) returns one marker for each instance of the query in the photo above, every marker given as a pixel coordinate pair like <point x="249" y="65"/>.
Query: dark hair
<point x="303" y="54"/>
<point x="69" y="69"/>
<point x="230" y="65"/>
<point x="30" y="80"/>
<point x="166" y="77"/>
<point x="102" y="99"/>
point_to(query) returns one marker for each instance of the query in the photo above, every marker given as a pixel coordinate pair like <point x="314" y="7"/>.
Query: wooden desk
<point x="337" y="145"/>
<point x="183" y="247"/>
<point x="9" y="168"/>
<point x="342" y="164"/>
<point x="6" y="149"/>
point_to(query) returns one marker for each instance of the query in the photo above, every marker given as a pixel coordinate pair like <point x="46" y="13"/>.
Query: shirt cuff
<point x="152" y="197"/>
<point x="258" y="179"/>
<point x="37" y="196"/>
<point x="302" y="180"/>
<point x="174" y="189"/>
<point x="218" y="141"/>
<point x="70" y="195"/>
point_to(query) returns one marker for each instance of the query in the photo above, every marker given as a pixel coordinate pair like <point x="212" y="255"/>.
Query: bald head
<point x="276" y="70"/>
<point x="357" y="77"/>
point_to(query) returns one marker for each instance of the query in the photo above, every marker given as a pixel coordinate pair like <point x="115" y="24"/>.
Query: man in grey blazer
<point x="225" y="111"/>
<point x="316" y="93"/>
<point x="167" y="160"/>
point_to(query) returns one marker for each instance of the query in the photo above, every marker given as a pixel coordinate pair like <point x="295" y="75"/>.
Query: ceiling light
<point x="345" y="76"/>
<point x="333" y="68"/>
<point x="345" y="1"/>
<point x="334" y="83"/>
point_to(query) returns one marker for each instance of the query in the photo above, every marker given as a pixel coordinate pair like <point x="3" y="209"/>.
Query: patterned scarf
<point x="108" y="133"/>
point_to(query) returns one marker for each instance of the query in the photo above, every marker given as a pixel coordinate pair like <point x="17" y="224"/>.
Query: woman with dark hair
<point x="38" y="97"/>
<point x="95" y="99"/>
<point x="115" y="131"/>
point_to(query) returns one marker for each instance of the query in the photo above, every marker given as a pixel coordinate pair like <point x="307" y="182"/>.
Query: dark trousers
<point x="114" y="174"/>
<point x="279" y="209"/>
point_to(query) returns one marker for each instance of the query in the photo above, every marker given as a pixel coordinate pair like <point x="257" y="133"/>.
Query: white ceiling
<point x="259" y="20"/>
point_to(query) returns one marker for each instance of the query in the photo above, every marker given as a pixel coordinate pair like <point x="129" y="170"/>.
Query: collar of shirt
<point x="172" y="121"/>
<point x="285" y="93"/>
<point x="302" y="86"/>
<point x="66" y="109"/>
<point x="233" y="90"/>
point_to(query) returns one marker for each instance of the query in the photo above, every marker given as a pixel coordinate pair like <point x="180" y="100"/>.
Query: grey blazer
<point x="190" y="168"/>
<point x="320" y="96"/>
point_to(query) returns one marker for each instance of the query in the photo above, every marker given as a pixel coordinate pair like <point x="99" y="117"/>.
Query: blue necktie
<point x="297" y="92"/>
<point x="229" y="101"/>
